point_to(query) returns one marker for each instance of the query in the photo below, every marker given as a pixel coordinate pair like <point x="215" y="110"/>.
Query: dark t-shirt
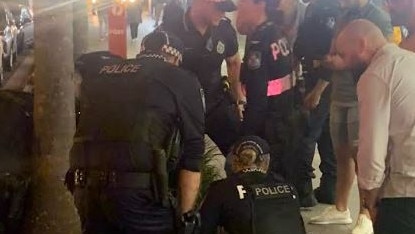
<point x="314" y="41"/>
<point x="344" y="82"/>
<point x="204" y="54"/>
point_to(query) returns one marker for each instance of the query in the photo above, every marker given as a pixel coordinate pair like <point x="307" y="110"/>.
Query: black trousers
<point x="121" y="211"/>
<point x="281" y="125"/>
<point x="14" y="192"/>
<point x="396" y="216"/>
<point x="134" y="29"/>
<point x="317" y="130"/>
<point x="222" y="123"/>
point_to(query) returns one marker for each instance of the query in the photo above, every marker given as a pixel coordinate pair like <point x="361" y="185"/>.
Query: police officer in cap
<point x="210" y="39"/>
<point x="249" y="201"/>
<point x="271" y="111"/>
<point x="313" y="43"/>
<point x="140" y="119"/>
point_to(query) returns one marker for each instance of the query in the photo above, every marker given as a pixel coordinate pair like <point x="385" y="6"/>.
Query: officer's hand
<point x="312" y="100"/>
<point x="240" y="110"/>
<point x="370" y="199"/>
<point x="190" y="223"/>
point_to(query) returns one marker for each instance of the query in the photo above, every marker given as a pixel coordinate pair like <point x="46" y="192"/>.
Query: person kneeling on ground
<point x="250" y="201"/>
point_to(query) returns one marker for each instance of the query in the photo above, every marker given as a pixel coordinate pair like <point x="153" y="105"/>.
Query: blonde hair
<point x="247" y="157"/>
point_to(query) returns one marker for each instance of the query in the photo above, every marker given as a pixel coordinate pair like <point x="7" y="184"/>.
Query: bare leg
<point x="345" y="176"/>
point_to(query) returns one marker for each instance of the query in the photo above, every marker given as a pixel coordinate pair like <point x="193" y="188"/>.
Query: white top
<point x="386" y="93"/>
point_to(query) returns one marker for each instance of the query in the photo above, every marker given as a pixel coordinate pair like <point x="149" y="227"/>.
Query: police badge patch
<point x="331" y="22"/>
<point x="254" y="60"/>
<point x="220" y="48"/>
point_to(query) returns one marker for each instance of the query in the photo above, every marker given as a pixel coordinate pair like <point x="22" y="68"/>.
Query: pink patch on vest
<point x="274" y="87"/>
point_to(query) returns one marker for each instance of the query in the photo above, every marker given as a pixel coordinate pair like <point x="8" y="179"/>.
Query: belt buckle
<point x="103" y="178"/>
<point x="112" y="178"/>
<point x="80" y="178"/>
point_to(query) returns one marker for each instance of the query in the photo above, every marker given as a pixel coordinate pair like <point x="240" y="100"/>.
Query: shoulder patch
<point x="254" y="60"/>
<point x="220" y="47"/>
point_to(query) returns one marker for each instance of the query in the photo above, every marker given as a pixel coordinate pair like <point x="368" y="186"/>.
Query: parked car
<point x="24" y="23"/>
<point x="8" y="32"/>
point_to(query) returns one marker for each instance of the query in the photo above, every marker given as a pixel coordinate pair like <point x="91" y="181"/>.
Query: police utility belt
<point x="98" y="178"/>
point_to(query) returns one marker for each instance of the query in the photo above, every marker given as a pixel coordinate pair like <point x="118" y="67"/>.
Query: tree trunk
<point x="52" y="210"/>
<point x="80" y="28"/>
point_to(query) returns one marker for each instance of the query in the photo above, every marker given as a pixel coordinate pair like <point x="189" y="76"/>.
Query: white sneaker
<point x="363" y="225"/>
<point x="332" y="216"/>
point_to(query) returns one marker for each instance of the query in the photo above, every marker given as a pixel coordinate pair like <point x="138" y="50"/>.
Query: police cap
<point x="252" y="143"/>
<point x="161" y="41"/>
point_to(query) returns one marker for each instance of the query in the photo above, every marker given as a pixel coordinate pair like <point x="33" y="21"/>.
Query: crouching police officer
<point x="250" y="201"/>
<point x="266" y="72"/>
<point x="137" y="117"/>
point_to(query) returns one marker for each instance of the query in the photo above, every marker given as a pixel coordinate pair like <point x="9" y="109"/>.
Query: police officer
<point x="209" y="39"/>
<point x="313" y="43"/>
<point x="140" y="119"/>
<point x="266" y="72"/>
<point x="249" y="201"/>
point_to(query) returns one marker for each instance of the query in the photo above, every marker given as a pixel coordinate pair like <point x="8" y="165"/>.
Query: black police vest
<point x="274" y="208"/>
<point x="113" y="110"/>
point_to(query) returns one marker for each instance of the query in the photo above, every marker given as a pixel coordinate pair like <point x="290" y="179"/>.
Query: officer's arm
<point x="189" y="187"/>
<point x="233" y="64"/>
<point x="192" y="131"/>
<point x="233" y="59"/>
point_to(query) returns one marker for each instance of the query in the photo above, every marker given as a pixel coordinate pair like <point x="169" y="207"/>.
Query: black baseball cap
<point x="255" y="143"/>
<point x="161" y="41"/>
<point x="224" y="5"/>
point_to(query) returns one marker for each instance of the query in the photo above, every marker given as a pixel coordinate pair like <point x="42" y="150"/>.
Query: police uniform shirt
<point x="267" y="59"/>
<point x="229" y="203"/>
<point x="111" y="87"/>
<point x="314" y="41"/>
<point x="204" y="54"/>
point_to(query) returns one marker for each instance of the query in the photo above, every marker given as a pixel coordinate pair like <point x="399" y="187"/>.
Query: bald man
<point x="386" y="155"/>
<point x="344" y="122"/>
<point x="403" y="14"/>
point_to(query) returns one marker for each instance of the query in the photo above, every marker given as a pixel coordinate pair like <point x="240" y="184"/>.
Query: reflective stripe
<point x="279" y="85"/>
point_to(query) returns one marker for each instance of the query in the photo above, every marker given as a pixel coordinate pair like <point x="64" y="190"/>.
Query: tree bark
<point x="80" y="28"/>
<point x="52" y="210"/>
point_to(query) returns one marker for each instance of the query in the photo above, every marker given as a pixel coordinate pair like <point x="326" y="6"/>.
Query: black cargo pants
<point x="121" y="211"/>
